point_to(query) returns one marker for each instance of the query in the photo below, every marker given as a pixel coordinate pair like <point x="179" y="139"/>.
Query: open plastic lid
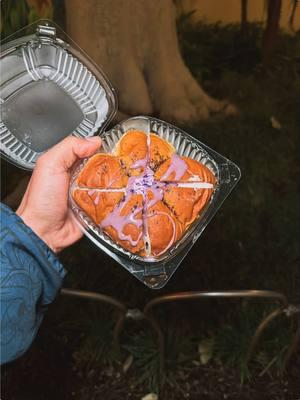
<point x="49" y="89"/>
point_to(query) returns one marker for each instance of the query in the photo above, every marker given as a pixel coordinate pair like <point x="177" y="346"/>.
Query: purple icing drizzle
<point x="178" y="166"/>
<point x="140" y="163"/>
<point x="96" y="201"/>
<point x="118" y="222"/>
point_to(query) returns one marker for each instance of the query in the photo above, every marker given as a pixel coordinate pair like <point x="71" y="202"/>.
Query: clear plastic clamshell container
<point x="49" y="89"/>
<point x="156" y="272"/>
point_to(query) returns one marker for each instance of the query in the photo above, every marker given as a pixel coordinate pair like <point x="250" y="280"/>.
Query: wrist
<point x="33" y="223"/>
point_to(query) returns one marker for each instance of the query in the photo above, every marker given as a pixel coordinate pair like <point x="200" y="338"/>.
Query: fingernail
<point x="93" y="139"/>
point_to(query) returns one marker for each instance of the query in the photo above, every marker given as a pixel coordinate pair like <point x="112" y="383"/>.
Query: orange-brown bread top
<point x="135" y="196"/>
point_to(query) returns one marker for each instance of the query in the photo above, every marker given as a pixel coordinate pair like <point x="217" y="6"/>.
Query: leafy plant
<point x="16" y="14"/>
<point x="93" y="328"/>
<point x="231" y="343"/>
<point x="179" y="348"/>
<point x="210" y="49"/>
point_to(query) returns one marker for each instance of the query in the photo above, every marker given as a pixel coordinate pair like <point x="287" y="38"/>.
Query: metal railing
<point x="290" y="311"/>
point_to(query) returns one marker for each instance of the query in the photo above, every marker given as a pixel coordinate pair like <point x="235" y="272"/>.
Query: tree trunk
<point x="135" y="42"/>
<point x="244" y="17"/>
<point x="271" y="31"/>
<point x="292" y="15"/>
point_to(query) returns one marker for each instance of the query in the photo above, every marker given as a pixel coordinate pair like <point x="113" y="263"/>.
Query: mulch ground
<point x="45" y="375"/>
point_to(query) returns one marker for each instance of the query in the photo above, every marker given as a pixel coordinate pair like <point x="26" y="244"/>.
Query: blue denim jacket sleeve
<point x="30" y="278"/>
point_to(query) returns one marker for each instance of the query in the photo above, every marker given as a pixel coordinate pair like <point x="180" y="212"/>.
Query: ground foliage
<point x="252" y="243"/>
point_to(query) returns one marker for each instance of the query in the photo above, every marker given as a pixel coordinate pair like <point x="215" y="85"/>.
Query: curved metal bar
<point x="183" y="296"/>
<point x="233" y="293"/>
<point x="95" y="296"/>
<point x="259" y="330"/>
<point x="290" y="312"/>
<point x="224" y="294"/>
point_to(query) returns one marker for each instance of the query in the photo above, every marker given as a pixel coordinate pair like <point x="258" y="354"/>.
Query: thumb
<point x="64" y="154"/>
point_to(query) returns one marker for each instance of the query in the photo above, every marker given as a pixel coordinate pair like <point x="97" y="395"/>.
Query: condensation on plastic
<point x="155" y="274"/>
<point x="49" y="89"/>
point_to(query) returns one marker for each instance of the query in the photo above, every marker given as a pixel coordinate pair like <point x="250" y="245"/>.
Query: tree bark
<point x="244" y="17"/>
<point x="292" y="14"/>
<point x="271" y="31"/>
<point x="135" y="42"/>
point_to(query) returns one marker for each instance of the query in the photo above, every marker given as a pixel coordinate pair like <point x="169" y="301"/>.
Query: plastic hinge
<point x="46" y="30"/>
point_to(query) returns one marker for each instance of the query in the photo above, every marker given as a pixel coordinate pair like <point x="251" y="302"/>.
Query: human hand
<point x="44" y="207"/>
